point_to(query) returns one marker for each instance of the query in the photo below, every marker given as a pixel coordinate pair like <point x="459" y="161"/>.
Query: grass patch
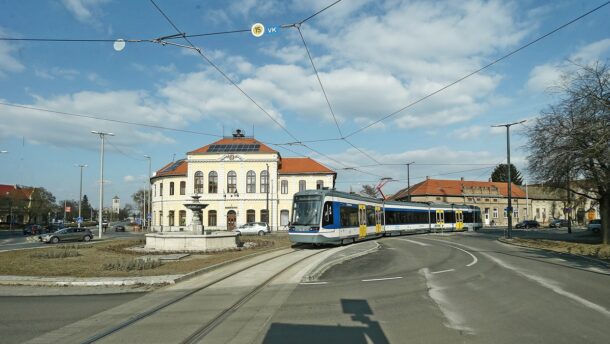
<point x="112" y="259"/>
<point x="583" y="249"/>
<point x="56" y="253"/>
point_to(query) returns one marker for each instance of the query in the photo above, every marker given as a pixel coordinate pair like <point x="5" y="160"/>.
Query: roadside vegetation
<point x="115" y="259"/>
<point x="584" y="249"/>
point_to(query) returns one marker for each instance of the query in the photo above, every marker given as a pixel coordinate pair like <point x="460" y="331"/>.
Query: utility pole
<point x="569" y="206"/>
<point x="267" y="192"/>
<point x="148" y="221"/>
<point x="509" y="209"/>
<point x="101" y="211"/>
<point x="409" y="180"/>
<point x="80" y="194"/>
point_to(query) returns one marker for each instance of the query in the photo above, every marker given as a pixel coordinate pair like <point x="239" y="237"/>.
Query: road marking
<point x="552" y="285"/>
<point x="415" y="242"/>
<point x="313" y="283"/>
<point x="440" y="272"/>
<point x="474" y="258"/>
<point x="598" y="270"/>
<point x="381" y="279"/>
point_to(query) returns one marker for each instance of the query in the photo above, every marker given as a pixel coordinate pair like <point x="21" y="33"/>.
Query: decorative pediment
<point x="232" y="157"/>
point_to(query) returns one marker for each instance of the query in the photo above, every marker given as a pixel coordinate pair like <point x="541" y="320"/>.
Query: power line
<point x="320" y="11"/>
<point x="64" y="113"/>
<point x="479" y="70"/>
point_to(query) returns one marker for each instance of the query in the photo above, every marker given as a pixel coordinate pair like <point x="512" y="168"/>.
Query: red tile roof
<point x="174" y="168"/>
<point x="21" y="192"/>
<point x="302" y="165"/>
<point x="439" y="187"/>
<point x="234" y="141"/>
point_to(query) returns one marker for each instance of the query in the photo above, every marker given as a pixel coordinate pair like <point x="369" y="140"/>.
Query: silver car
<point x="67" y="234"/>
<point x="595" y="226"/>
<point x="253" y="228"/>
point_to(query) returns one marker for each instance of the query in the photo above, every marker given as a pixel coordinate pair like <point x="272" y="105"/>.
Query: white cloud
<point x="8" y="62"/>
<point x="56" y="72"/>
<point x="543" y="77"/>
<point x="85" y="11"/>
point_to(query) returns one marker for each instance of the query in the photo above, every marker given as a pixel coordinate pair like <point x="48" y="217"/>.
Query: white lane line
<point x="474" y="258"/>
<point x="440" y="272"/>
<point x="552" y="285"/>
<point x="313" y="283"/>
<point x="381" y="279"/>
<point x="415" y="242"/>
<point x="598" y="270"/>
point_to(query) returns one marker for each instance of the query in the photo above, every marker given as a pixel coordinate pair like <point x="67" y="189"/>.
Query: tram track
<point x="206" y="328"/>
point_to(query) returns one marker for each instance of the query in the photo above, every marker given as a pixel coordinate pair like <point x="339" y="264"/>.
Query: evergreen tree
<point x="500" y="174"/>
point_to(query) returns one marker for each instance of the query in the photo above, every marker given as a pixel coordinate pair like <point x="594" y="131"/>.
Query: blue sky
<point x="374" y="57"/>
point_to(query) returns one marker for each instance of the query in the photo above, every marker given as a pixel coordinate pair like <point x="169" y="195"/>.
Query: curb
<point x="597" y="260"/>
<point x="314" y="274"/>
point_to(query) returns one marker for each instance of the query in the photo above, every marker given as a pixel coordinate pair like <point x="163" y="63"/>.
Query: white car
<point x="253" y="228"/>
<point x="595" y="226"/>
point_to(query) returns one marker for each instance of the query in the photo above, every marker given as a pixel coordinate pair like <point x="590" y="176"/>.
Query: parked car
<point x="595" y="226"/>
<point x="33" y="229"/>
<point x="558" y="223"/>
<point x="253" y="228"/>
<point x="527" y="224"/>
<point x="119" y="228"/>
<point x="67" y="234"/>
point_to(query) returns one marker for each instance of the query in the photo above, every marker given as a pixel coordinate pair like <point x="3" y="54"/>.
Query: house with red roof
<point x="15" y="200"/>
<point x="241" y="180"/>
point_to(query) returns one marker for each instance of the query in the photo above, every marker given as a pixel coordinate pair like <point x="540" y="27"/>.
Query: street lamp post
<point x="267" y="192"/>
<point x="509" y="208"/>
<point x="100" y="214"/>
<point x="80" y="194"/>
<point x="149" y="222"/>
<point x="409" y="180"/>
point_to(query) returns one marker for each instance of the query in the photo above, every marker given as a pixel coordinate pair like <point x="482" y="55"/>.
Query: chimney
<point x="427" y="177"/>
<point x="462" y="178"/>
<point x="489" y="180"/>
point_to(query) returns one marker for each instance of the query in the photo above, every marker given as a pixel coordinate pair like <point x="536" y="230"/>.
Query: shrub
<point x="133" y="264"/>
<point x="56" y="253"/>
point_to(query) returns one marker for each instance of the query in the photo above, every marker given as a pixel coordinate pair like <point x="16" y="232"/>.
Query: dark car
<point x="558" y="223"/>
<point x="33" y="230"/>
<point x="527" y="224"/>
<point x="67" y="234"/>
<point x="118" y="228"/>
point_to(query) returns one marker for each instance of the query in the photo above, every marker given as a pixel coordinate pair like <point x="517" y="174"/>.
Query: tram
<point x="335" y="217"/>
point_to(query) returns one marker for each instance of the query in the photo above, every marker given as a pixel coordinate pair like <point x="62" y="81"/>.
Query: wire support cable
<point x="478" y="70"/>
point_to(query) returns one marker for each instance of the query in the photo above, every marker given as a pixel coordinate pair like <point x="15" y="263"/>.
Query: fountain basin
<point x="185" y="242"/>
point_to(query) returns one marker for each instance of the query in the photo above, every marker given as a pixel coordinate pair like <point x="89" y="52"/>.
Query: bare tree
<point x="369" y="191"/>
<point x="569" y="143"/>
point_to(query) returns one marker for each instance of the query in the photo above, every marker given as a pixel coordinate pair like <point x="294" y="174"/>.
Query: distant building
<point x="241" y="179"/>
<point x="116" y="204"/>
<point x="15" y="203"/>
<point x="539" y="203"/>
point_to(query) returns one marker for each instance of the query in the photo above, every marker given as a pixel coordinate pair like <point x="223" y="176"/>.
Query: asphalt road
<point x="463" y="287"/>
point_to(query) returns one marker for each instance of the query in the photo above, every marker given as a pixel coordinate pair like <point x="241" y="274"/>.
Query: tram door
<point x="377" y="220"/>
<point x="362" y="221"/>
<point x="440" y="219"/>
<point x="459" y="220"/>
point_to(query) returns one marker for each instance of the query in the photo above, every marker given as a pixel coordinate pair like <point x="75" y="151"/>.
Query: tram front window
<point x="306" y="211"/>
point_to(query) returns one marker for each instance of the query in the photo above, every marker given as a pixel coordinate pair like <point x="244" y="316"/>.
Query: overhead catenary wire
<point x="522" y="47"/>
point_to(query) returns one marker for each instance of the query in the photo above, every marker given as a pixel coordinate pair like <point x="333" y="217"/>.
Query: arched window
<point x="171" y="188"/>
<point x="182" y="188"/>
<point x="155" y="189"/>
<point x="302" y="185"/>
<point x="250" y="213"/>
<point x="212" y="218"/>
<point x="160" y="189"/>
<point x="265" y="216"/>
<point x="213" y="182"/>
<point x="198" y="182"/>
<point x="171" y="217"/>
<point x="231" y="182"/>
<point x="264" y="182"/>
<point x="251" y="183"/>
<point x="284" y="184"/>
<point x="320" y="184"/>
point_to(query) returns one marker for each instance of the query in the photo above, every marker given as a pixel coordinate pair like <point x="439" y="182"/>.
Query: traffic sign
<point x="79" y="219"/>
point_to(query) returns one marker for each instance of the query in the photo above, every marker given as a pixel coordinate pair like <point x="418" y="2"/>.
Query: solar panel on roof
<point x="173" y="166"/>
<point x="234" y="148"/>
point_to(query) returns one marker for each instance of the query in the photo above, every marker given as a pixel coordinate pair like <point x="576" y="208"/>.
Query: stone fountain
<point x="195" y="241"/>
<point x="196" y="208"/>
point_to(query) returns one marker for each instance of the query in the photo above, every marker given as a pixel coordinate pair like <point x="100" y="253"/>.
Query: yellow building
<point x="241" y="179"/>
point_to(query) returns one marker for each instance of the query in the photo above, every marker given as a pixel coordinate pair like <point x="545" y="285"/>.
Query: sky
<point x="373" y="58"/>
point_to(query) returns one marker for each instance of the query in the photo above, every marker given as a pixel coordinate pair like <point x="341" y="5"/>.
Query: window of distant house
<point x="250" y="215"/>
<point x="171" y="188"/>
<point x="155" y="189"/>
<point x="302" y="185"/>
<point x="284" y="184"/>
<point x="495" y="213"/>
<point x="198" y="182"/>
<point x="160" y="189"/>
<point x="251" y="183"/>
<point x="265" y="216"/>
<point x="231" y="182"/>
<point x="182" y="218"/>
<point x="319" y="184"/>
<point x="213" y="182"/>
<point x="171" y="217"/>
<point x="264" y="182"/>
<point x="182" y="188"/>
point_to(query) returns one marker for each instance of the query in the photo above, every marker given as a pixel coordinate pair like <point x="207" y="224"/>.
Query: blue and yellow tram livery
<point x="334" y="217"/>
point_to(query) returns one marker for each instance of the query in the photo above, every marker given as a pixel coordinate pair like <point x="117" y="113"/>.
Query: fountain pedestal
<point x="196" y="208"/>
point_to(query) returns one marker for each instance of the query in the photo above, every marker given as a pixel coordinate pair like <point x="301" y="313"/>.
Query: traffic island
<point x="598" y="251"/>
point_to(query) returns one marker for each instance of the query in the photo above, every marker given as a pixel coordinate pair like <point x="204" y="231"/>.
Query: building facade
<point x="529" y="203"/>
<point x="240" y="179"/>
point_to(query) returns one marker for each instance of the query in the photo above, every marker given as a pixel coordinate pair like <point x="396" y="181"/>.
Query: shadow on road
<point x="360" y="310"/>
